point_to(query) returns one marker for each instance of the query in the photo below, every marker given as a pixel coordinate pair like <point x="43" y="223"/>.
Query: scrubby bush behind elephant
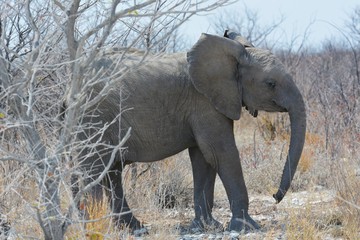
<point x="189" y="101"/>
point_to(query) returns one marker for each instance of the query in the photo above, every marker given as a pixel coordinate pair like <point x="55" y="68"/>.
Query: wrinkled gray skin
<point x="190" y="101"/>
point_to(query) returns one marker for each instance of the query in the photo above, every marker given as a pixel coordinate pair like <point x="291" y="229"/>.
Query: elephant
<point x="190" y="101"/>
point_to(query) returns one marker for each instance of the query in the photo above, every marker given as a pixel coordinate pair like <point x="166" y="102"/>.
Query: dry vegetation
<point x="325" y="199"/>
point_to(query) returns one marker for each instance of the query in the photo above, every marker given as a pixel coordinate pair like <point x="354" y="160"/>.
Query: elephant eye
<point x="270" y="83"/>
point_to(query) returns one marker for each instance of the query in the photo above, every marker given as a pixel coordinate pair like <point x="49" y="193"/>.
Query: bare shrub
<point x="47" y="55"/>
<point x="247" y="23"/>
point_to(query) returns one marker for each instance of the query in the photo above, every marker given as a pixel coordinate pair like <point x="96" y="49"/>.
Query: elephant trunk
<point x="297" y="115"/>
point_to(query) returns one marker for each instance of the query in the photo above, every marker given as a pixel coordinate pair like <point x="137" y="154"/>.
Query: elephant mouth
<point x="253" y="112"/>
<point x="273" y="107"/>
<point x="279" y="108"/>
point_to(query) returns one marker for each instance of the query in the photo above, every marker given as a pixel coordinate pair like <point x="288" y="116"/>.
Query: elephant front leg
<point x="231" y="175"/>
<point x="204" y="181"/>
<point x="220" y="150"/>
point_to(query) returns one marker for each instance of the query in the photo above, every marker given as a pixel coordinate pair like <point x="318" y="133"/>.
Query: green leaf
<point x="135" y="12"/>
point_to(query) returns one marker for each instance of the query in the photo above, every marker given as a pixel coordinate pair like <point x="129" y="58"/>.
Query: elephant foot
<point x="140" y="232"/>
<point x="242" y="224"/>
<point x="130" y="222"/>
<point x="205" y="225"/>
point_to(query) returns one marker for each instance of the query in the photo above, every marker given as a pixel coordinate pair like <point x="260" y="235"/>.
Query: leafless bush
<point x="47" y="52"/>
<point x="247" y="23"/>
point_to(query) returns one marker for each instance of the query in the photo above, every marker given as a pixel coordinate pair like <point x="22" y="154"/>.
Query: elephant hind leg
<point x="204" y="183"/>
<point x="94" y="197"/>
<point x="119" y="205"/>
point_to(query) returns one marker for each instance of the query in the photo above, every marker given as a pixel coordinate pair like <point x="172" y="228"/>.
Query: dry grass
<point x="313" y="142"/>
<point x="161" y="184"/>
<point x="268" y="141"/>
<point x="301" y="226"/>
<point x="262" y="153"/>
<point x="97" y="226"/>
<point x="103" y="225"/>
<point x="347" y="183"/>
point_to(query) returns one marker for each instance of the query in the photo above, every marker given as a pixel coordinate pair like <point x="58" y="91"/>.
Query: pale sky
<point x="298" y="15"/>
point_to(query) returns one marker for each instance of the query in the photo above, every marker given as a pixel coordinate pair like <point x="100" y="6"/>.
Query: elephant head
<point x="232" y="73"/>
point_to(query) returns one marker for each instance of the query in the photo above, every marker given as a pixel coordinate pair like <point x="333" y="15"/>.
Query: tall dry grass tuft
<point x="301" y="225"/>
<point x="313" y="220"/>
<point x="267" y="127"/>
<point x="347" y="184"/>
<point x="97" y="224"/>
<point x="306" y="161"/>
<point x="313" y="142"/>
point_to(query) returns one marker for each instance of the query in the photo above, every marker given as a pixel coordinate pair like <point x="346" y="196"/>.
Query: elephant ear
<point x="213" y="68"/>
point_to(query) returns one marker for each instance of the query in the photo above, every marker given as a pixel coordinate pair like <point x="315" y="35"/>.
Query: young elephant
<point x="190" y="101"/>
